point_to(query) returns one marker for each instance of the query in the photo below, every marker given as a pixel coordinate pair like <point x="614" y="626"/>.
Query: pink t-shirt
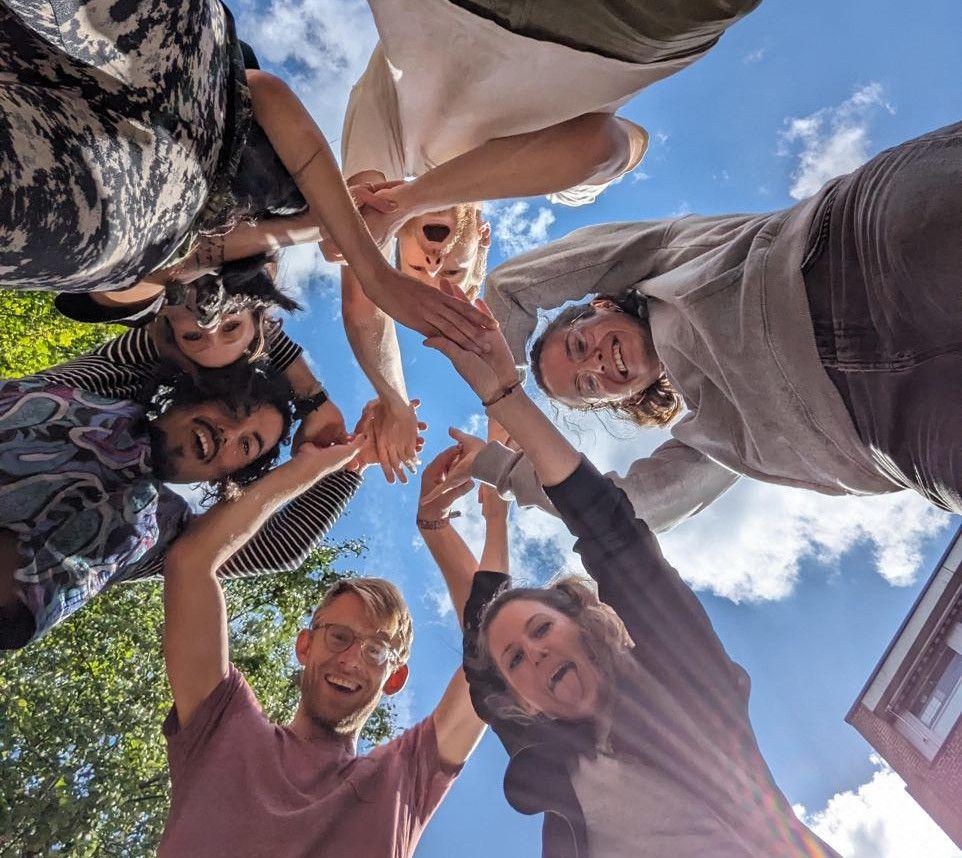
<point x="243" y="786"/>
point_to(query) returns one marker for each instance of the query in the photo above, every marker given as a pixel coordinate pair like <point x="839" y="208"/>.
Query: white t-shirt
<point x="443" y="81"/>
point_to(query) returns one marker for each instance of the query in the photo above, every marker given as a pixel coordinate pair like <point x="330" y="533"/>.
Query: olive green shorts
<point x="637" y="31"/>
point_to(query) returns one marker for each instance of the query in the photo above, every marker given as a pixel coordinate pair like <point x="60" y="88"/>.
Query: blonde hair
<point x="603" y="633"/>
<point x="384" y="604"/>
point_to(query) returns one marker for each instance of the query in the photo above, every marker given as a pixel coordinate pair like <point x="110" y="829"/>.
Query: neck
<point x="307" y="728"/>
<point x="140" y="293"/>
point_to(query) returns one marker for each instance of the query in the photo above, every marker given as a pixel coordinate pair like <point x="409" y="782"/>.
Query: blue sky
<point x="805" y="591"/>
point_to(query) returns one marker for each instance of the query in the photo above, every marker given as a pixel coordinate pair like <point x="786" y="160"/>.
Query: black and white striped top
<point x="284" y="541"/>
<point x="127" y="366"/>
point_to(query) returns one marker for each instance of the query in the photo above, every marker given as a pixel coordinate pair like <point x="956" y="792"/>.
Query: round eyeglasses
<point x="340" y="638"/>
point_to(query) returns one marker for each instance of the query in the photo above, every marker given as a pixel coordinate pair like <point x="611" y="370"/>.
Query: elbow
<point x="265" y="87"/>
<point x="604" y="145"/>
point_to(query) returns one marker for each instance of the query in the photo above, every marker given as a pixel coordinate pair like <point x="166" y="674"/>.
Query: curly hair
<point x="603" y="634"/>
<point x="655" y="406"/>
<point x="242" y="284"/>
<point x="241" y="389"/>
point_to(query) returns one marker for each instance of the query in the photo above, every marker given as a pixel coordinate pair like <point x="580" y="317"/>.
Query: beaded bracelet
<point x="505" y="392"/>
<point x="437" y="523"/>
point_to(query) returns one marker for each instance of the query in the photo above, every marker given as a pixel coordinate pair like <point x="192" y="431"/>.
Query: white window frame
<point x="929" y="740"/>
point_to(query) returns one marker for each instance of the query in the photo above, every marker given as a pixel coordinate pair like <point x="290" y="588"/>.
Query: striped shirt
<point x="129" y="366"/>
<point x="126" y="368"/>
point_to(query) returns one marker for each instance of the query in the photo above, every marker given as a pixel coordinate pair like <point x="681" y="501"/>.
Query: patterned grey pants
<point x="111" y="122"/>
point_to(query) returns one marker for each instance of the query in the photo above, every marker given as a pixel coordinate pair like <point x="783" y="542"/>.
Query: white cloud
<point x="514" y="228"/>
<point x="879" y="819"/>
<point x="831" y="141"/>
<point x="750" y="544"/>
<point x="753" y="57"/>
<point x="322" y="45"/>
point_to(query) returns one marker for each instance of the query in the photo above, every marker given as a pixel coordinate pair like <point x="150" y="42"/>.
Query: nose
<point x="537" y="652"/>
<point x="350" y="660"/>
<point x="432" y="263"/>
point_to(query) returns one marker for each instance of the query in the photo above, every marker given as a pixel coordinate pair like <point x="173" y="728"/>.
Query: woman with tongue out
<point x="626" y="721"/>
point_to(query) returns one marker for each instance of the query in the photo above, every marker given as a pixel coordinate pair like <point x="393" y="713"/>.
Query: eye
<point x="579" y="345"/>
<point x="541" y="629"/>
<point x="341" y="635"/>
<point x="376" y="651"/>
<point x="588" y="386"/>
<point x="192" y="336"/>
<point x="246" y="446"/>
<point x="230" y="327"/>
<point x="515" y="659"/>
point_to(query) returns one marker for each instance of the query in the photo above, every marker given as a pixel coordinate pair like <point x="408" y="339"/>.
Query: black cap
<point x="80" y="307"/>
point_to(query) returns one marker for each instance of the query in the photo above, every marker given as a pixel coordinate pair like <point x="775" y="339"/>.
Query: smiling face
<point x="339" y="690"/>
<point x="207" y="441"/>
<point x="540" y="653"/>
<point x="605" y="356"/>
<point x="443" y="244"/>
<point x="216" y="346"/>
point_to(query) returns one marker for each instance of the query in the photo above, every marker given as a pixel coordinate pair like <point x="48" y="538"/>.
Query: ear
<point x="484" y="233"/>
<point x="396" y="681"/>
<point x="302" y="646"/>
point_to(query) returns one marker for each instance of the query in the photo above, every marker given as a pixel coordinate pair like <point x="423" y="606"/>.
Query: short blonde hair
<point x="384" y="605"/>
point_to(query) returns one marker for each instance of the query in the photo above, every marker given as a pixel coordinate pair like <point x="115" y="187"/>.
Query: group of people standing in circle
<point x="151" y="174"/>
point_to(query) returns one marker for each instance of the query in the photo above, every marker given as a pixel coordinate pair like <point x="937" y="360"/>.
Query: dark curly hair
<point x="241" y="389"/>
<point x="243" y="284"/>
<point x="655" y="406"/>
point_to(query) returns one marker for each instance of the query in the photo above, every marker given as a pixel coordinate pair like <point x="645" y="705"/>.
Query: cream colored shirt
<point x="443" y="81"/>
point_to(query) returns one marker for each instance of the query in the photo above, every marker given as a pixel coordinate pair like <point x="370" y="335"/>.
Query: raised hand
<point x="311" y="462"/>
<point x="457" y="475"/>
<point x="437" y="496"/>
<point x="396" y="434"/>
<point x="428" y="310"/>
<point x="381" y="212"/>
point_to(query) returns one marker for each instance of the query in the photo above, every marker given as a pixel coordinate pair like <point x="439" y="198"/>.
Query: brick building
<point x="910" y="710"/>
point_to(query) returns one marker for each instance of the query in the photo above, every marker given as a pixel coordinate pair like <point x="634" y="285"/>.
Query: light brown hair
<point x="655" y="406"/>
<point x="384" y="605"/>
<point x="603" y="634"/>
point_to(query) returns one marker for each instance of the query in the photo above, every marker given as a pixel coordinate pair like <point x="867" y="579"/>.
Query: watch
<point x="304" y="405"/>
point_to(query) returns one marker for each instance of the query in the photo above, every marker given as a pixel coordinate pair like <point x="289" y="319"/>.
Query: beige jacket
<point x="730" y="322"/>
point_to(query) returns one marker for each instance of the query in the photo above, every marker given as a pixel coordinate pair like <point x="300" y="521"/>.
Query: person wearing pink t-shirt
<point x="244" y="786"/>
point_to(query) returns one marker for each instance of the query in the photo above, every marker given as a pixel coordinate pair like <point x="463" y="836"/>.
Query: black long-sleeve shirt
<point x="680" y="715"/>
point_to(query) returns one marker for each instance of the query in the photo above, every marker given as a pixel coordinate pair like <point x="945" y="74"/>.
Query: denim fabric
<point x="884" y="286"/>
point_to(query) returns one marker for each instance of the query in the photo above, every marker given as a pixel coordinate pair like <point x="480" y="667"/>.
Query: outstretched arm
<point x="303" y="150"/>
<point x="590" y="149"/>
<point x="457" y="725"/>
<point x="195" y="622"/>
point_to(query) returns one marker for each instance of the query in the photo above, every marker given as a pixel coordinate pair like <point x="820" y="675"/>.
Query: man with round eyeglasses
<point x="244" y="786"/>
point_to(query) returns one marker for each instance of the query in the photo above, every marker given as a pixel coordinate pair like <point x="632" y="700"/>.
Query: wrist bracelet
<point x="306" y="404"/>
<point x="506" y="391"/>
<point x="437" y="523"/>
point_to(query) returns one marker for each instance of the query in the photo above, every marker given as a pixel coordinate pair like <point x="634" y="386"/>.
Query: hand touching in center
<point x="437" y="496"/>
<point x="396" y="434"/>
<point x="457" y="473"/>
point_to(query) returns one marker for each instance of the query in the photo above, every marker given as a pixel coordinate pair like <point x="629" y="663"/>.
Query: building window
<point x="935" y="704"/>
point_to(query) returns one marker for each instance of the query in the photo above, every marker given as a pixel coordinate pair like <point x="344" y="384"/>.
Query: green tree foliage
<point x="83" y="768"/>
<point x="34" y="336"/>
